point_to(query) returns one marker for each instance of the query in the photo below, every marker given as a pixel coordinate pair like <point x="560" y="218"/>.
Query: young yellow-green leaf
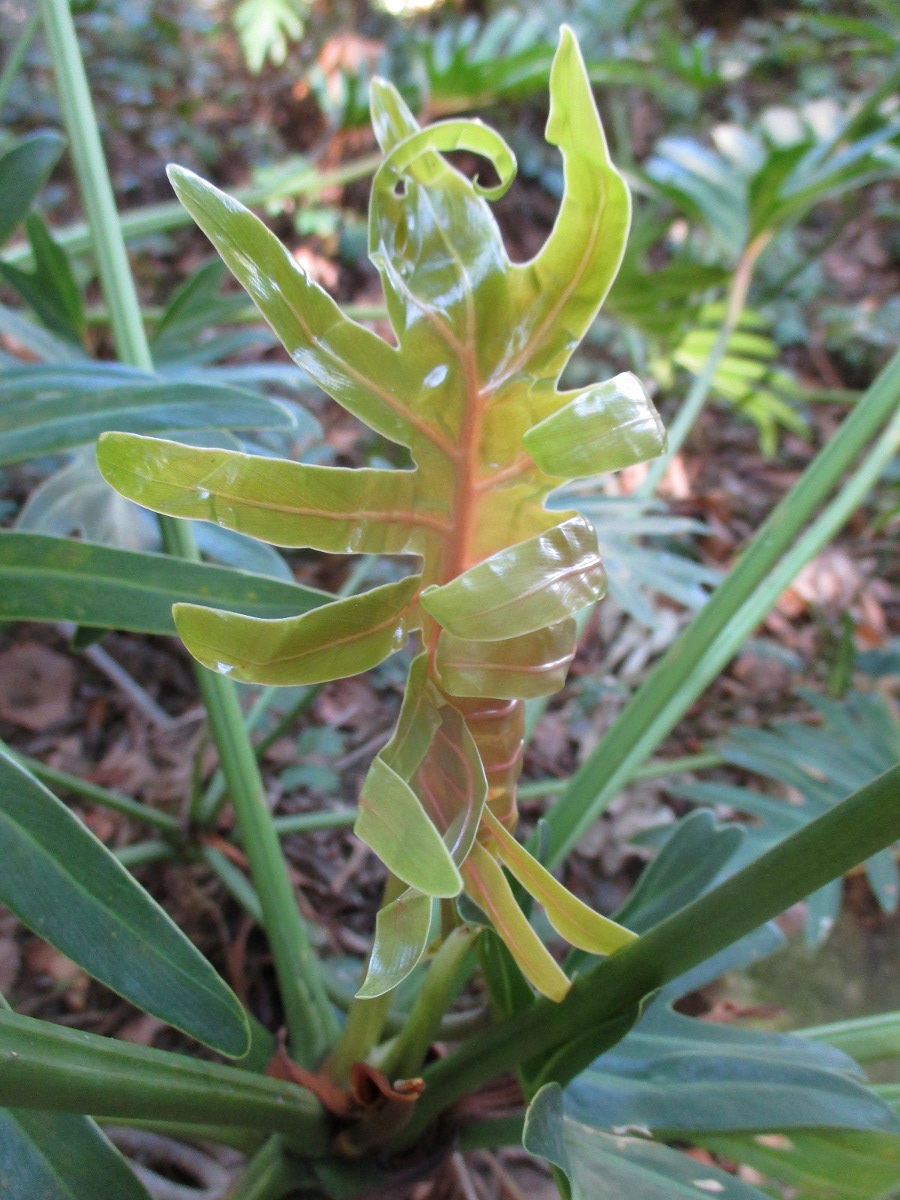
<point x="535" y="583"/>
<point x="360" y="370"/>
<point x="393" y="823"/>
<point x="286" y="503"/>
<point x="401" y="938"/>
<point x="452" y="783"/>
<point x="560" y="290"/>
<point x="330" y="642"/>
<point x="573" y="920"/>
<point x="604" y="428"/>
<point x="486" y="885"/>
<point x="419" y="719"/>
<point x="457" y="134"/>
<point x="523" y="668"/>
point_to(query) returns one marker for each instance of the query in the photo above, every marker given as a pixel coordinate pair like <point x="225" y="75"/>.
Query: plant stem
<point x="443" y="980"/>
<point x="365" y="1018"/>
<point x="160" y="218"/>
<point x="603" y="996"/>
<point x="863" y="1038"/>
<point x="162" y="821"/>
<point x="700" y="388"/>
<point x="138" y="854"/>
<point x="766" y="567"/>
<point x="16" y="56"/>
<point x="308" y="1012"/>
<point x="312" y="822"/>
<point x="268" y="1176"/>
<point x="657" y="768"/>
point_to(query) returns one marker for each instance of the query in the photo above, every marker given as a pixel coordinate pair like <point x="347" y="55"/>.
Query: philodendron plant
<point x="471" y="390"/>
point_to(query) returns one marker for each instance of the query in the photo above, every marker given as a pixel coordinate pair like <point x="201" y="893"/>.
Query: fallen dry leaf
<point x="36" y="686"/>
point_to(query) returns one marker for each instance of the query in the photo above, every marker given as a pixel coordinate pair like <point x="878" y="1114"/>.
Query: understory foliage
<point x="471" y="391"/>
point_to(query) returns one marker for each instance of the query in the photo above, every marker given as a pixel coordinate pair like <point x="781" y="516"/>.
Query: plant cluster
<point x="486" y="484"/>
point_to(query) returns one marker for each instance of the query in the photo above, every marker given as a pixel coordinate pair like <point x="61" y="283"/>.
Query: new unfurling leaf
<point x="471" y="389"/>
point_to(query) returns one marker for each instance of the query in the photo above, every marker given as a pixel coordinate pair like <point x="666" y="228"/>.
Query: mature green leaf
<point x="60" y="1156"/>
<point x="695" y="853"/>
<point x="402" y="930"/>
<point x="393" y="823"/>
<point x="678" y="1076"/>
<point x="335" y="640"/>
<point x="604" y="428"/>
<point x="67" y="1070"/>
<point x="51" y="289"/>
<point x="23" y="171"/>
<point x="524" y="667"/>
<point x="36" y="419"/>
<point x="517" y="591"/>
<point x="59" y="579"/>
<point x="820" y="1164"/>
<point x="65" y="885"/>
<point x="609" y="1166"/>
<point x="858" y="739"/>
<point x="286" y="503"/>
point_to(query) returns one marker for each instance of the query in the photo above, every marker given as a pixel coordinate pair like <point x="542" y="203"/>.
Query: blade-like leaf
<point x="609" y="1166"/>
<point x="338" y="639"/>
<point x="353" y="365"/>
<point x="604" y="428"/>
<point x="58" y="579"/>
<point x="515" y="668"/>
<point x="23" y="170"/>
<point x="286" y="503"/>
<point x="535" y="583"/>
<point x="33" y="423"/>
<point x="393" y="823"/>
<point x="68" y="1070"/>
<point x="51" y="289"/>
<point x="401" y="937"/>
<point x="559" y="292"/>
<point x="65" y="885"/>
<point x="60" y="1156"/>
<point x="572" y="919"/>
<point x="487" y="886"/>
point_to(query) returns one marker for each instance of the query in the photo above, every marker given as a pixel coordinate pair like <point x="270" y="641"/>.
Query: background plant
<point x="679" y="926"/>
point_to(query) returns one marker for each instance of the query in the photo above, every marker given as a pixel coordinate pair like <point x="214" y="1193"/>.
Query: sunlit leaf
<point x="604" y="428"/>
<point x="338" y="639"/>
<point x="401" y="938"/>
<point x="286" y="503"/>
<point x="517" y="591"/>
<point x="393" y="823"/>
<point x="487" y="886"/>
<point x="571" y="918"/>
<point x="525" y="667"/>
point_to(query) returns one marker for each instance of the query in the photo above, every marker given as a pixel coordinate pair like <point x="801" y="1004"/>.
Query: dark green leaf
<point x="23" y="170"/>
<point x="57" y="579"/>
<point x="65" y="885"/>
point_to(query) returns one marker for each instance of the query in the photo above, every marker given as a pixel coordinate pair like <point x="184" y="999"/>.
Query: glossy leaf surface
<point x="46" y="578"/>
<point x="60" y="1156"/>
<point x="393" y="823"/>
<point x="525" y="588"/>
<point x="402" y="930"/>
<point x="68" y="888"/>
<point x="338" y="639"/>
<point x="521" y="668"/>
<point x="481" y="344"/>
<point x="571" y="918"/>
<point x="604" y="428"/>
<point x="285" y="503"/>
